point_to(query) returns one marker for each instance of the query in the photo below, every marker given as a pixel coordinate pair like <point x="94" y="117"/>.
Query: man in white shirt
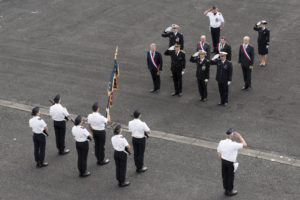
<point x="39" y="129"/>
<point x="227" y="152"/>
<point x="138" y="129"/>
<point x="59" y="115"/>
<point x="216" y="21"/>
<point x="97" y="123"/>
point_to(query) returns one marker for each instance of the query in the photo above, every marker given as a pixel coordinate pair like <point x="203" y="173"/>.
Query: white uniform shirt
<point x="37" y="124"/>
<point x="80" y="133"/>
<point x="119" y="142"/>
<point x="97" y="121"/>
<point x="229" y="149"/>
<point x="58" y="112"/>
<point x="138" y="128"/>
<point x="215" y="20"/>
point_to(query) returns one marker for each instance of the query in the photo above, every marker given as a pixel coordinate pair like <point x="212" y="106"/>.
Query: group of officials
<point x="97" y="125"/>
<point x="203" y="60"/>
<point x="227" y="149"/>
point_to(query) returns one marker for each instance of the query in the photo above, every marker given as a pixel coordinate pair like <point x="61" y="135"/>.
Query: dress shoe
<point x="85" y="174"/>
<point x="124" y="184"/>
<point x="245" y="88"/>
<point x="174" y="94"/>
<point x="44" y="164"/>
<point x="104" y="162"/>
<point x="220" y="104"/>
<point x="204" y="100"/>
<point x="231" y="193"/>
<point x="156" y="91"/>
<point x="65" y="151"/>
<point x="180" y="94"/>
<point x="152" y="91"/>
<point x="143" y="169"/>
<point x="225" y="104"/>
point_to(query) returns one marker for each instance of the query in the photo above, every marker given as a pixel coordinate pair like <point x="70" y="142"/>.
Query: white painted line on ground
<point x="274" y="157"/>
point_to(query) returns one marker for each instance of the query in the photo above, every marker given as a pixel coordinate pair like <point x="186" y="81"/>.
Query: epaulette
<point x="182" y="51"/>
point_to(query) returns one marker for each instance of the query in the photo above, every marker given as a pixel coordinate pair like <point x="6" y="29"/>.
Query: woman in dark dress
<point x="262" y="40"/>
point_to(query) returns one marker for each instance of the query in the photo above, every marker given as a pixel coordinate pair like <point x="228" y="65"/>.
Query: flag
<point x="113" y="84"/>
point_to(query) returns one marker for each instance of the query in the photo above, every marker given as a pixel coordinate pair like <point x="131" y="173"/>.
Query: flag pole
<point x="110" y="85"/>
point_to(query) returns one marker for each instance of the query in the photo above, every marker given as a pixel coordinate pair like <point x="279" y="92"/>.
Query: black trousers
<point x="82" y="151"/>
<point x="60" y="133"/>
<point x="155" y="79"/>
<point x="202" y="86"/>
<point x="215" y="36"/>
<point x="139" y="145"/>
<point x="177" y="79"/>
<point x="247" y="76"/>
<point x="223" y="90"/>
<point x="121" y="165"/>
<point x="227" y="175"/>
<point x="39" y="141"/>
<point x="99" y="138"/>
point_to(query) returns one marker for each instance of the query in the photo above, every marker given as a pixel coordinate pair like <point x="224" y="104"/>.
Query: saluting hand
<point x="107" y="110"/>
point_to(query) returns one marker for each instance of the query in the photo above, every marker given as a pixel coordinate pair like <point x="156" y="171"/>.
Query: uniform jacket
<point x="263" y="35"/>
<point x="227" y="49"/>
<point x="224" y="70"/>
<point x="177" y="62"/>
<point x="206" y="47"/>
<point x="158" y="60"/>
<point x="174" y="39"/>
<point x="243" y="59"/>
<point x="202" y="72"/>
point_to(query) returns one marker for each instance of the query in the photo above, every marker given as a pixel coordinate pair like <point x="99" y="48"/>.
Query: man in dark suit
<point x="246" y="60"/>
<point x="155" y="63"/>
<point x="203" y="45"/>
<point x="225" y="47"/>
<point x="223" y="76"/>
<point x="262" y="40"/>
<point x="174" y="36"/>
<point x="202" y="72"/>
<point x="177" y="67"/>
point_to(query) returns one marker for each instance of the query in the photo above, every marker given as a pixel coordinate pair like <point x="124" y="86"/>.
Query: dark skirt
<point x="262" y="49"/>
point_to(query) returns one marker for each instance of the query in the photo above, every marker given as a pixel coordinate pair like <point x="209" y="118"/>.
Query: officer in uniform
<point x="204" y="46"/>
<point x="202" y="72"/>
<point x="216" y="21"/>
<point x="223" y="76"/>
<point x="138" y="129"/>
<point x="81" y="136"/>
<point x="227" y="152"/>
<point x="174" y="36"/>
<point x="155" y="64"/>
<point x="262" y="40"/>
<point x="177" y="67"/>
<point x="120" y="145"/>
<point x="59" y="115"/>
<point x="246" y="60"/>
<point x="223" y="46"/>
<point x="39" y="129"/>
<point x="97" y="123"/>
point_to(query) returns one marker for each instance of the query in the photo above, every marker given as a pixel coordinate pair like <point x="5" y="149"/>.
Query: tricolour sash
<point x="153" y="61"/>
<point x="219" y="47"/>
<point x="201" y="46"/>
<point x="245" y="52"/>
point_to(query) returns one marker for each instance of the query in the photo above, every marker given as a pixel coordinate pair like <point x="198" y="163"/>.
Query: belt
<point x="40" y="134"/>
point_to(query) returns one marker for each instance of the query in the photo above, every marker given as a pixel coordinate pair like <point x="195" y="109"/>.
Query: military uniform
<point x="246" y="59"/>
<point x="155" y="64"/>
<point x="262" y="40"/>
<point x="177" y="66"/>
<point x="202" y="75"/>
<point x="223" y="77"/>
<point x="174" y="38"/>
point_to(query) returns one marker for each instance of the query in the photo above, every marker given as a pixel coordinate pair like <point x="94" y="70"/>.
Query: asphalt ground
<point x="67" y="47"/>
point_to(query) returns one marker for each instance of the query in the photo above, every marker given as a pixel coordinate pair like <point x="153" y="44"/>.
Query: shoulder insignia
<point x="182" y="51"/>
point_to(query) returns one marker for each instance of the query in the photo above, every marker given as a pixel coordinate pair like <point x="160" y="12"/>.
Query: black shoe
<point x="85" y="174"/>
<point x="231" y="193"/>
<point x="143" y="169"/>
<point x="220" y="104"/>
<point x="152" y="91"/>
<point x="174" y="94"/>
<point x="245" y="88"/>
<point x="180" y="94"/>
<point x="204" y="100"/>
<point x="44" y="164"/>
<point x="156" y="91"/>
<point x="225" y="104"/>
<point x="104" y="162"/>
<point x="124" y="184"/>
<point x="38" y="165"/>
<point x="65" y="151"/>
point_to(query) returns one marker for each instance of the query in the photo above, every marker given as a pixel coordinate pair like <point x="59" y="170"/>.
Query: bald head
<point x="203" y="38"/>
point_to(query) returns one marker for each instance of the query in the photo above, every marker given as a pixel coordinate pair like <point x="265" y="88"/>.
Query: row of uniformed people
<point x="96" y="123"/>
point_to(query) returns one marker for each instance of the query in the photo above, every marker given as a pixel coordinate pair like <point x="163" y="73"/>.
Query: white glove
<point x="258" y="23"/>
<point x="235" y="166"/>
<point x="229" y="82"/>
<point x="215" y="57"/>
<point x="206" y="80"/>
<point x="196" y="54"/>
<point x="169" y="29"/>
<point x="182" y="72"/>
<point x="267" y="46"/>
<point x="172" y="48"/>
